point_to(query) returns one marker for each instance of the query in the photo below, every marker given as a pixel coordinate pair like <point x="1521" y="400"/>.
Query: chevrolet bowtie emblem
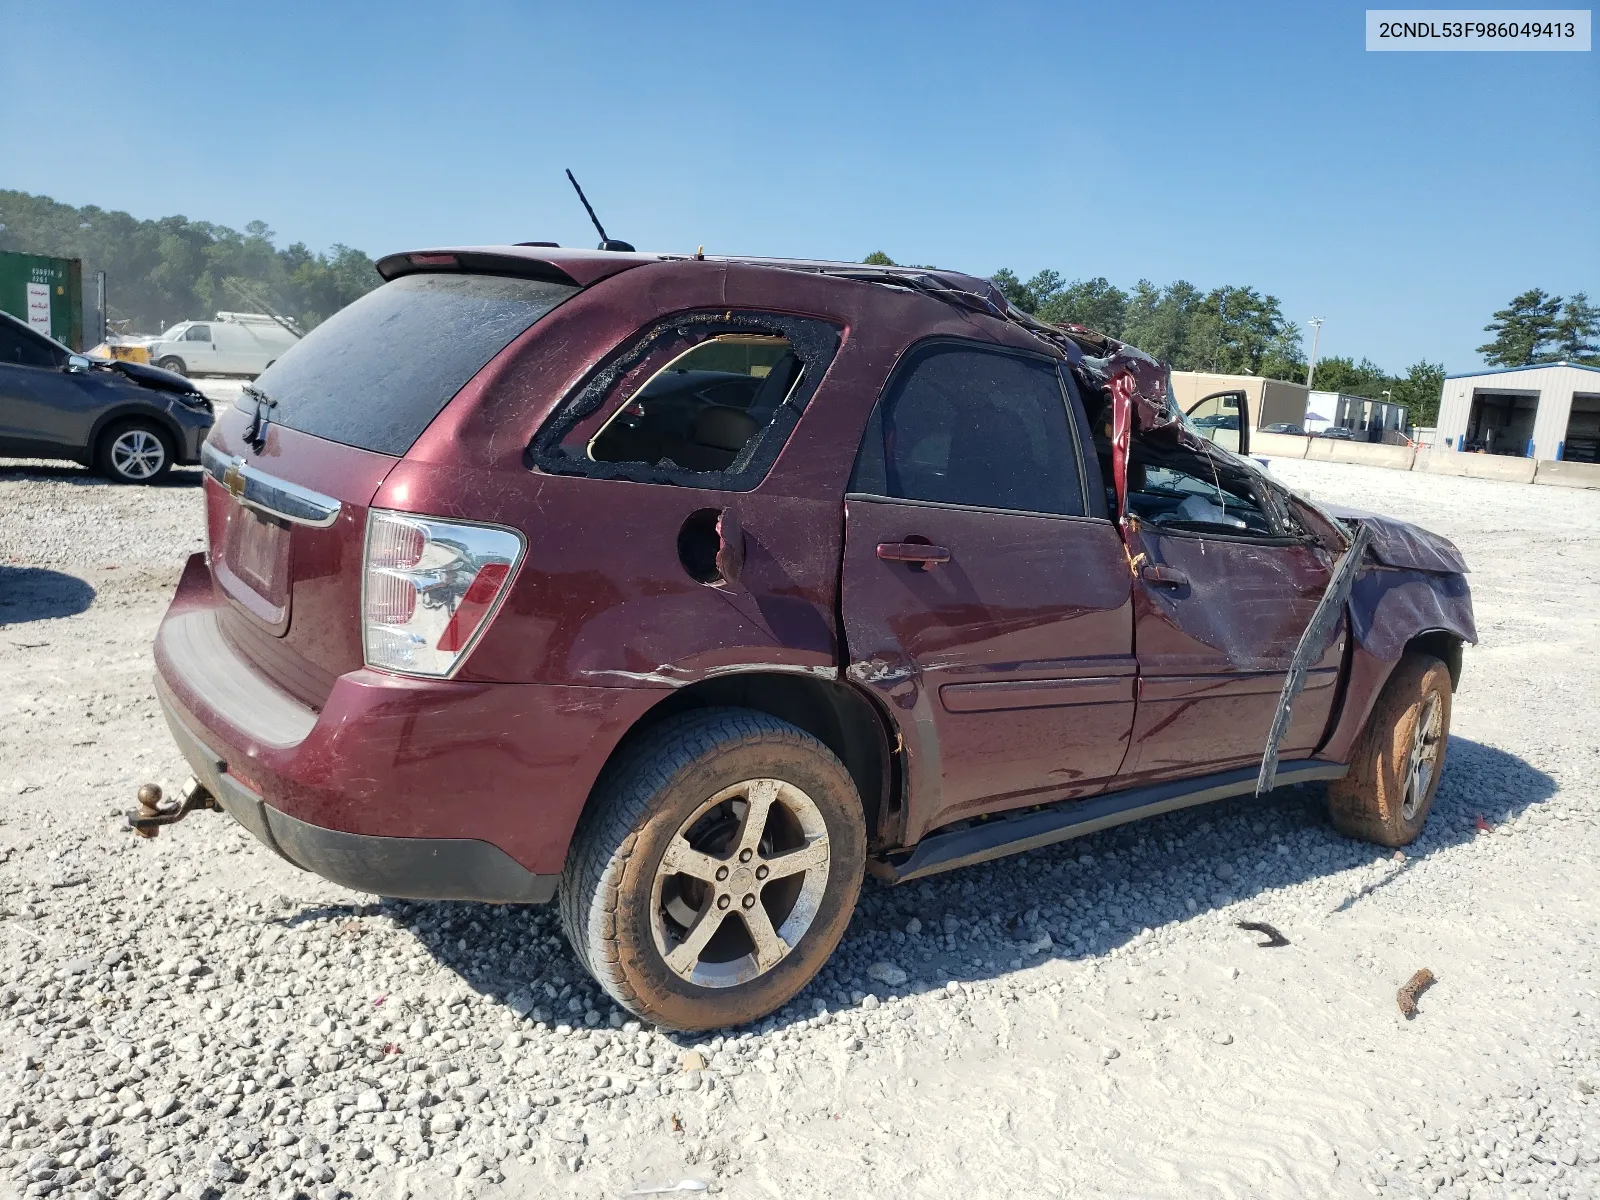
<point x="233" y="477"/>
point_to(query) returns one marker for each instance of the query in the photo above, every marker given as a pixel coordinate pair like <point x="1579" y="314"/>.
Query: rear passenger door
<point x="982" y="602"/>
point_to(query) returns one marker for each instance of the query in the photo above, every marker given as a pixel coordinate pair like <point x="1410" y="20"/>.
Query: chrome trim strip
<point x="267" y="493"/>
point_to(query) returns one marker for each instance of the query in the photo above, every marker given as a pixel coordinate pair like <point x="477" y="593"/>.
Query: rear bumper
<point x="404" y="787"/>
<point x="400" y="867"/>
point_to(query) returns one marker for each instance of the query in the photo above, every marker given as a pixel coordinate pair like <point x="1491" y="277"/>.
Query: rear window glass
<point x="376" y="373"/>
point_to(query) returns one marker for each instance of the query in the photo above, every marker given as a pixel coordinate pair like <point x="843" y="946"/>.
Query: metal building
<point x="1370" y="420"/>
<point x="1550" y="411"/>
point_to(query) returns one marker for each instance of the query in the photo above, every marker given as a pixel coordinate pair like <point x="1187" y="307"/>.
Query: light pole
<point x="1316" y="333"/>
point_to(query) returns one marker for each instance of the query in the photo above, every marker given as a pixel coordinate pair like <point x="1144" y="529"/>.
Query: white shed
<point x="1550" y="411"/>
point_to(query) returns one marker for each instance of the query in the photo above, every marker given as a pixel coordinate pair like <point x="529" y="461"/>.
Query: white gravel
<point x="192" y="1013"/>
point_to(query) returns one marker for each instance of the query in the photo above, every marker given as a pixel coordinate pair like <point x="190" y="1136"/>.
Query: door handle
<point x="1169" y="576"/>
<point x="913" y="552"/>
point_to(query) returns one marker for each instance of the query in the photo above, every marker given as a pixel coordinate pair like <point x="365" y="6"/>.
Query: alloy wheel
<point x="740" y="883"/>
<point x="1423" y="758"/>
<point x="137" y="454"/>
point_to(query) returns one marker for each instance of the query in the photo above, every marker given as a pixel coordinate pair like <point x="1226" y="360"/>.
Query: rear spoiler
<point x="577" y="267"/>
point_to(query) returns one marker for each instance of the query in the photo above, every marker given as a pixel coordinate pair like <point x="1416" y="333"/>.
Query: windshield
<point x="375" y="374"/>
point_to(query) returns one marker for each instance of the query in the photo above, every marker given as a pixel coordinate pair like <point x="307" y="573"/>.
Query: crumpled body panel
<point x="1389" y="606"/>
<point x="1415" y="583"/>
<point x="1400" y="544"/>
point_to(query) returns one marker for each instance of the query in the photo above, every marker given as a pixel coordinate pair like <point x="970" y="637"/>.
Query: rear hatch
<point x="287" y="521"/>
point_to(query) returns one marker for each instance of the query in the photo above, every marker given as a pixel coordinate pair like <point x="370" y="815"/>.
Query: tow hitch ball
<point x="146" y="820"/>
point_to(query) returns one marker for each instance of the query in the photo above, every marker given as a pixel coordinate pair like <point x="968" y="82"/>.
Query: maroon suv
<point x="688" y="590"/>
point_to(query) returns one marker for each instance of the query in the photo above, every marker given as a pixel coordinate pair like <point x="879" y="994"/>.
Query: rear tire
<point x="174" y="365"/>
<point x="687" y="912"/>
<point x="1398" y="758"/>
<point x="134" y="452"/>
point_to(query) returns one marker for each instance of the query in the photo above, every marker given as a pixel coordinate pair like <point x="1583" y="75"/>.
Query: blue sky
<point x="1403" y="197"/>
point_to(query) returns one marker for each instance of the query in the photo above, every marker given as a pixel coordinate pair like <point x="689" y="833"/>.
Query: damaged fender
<point x="1397" y="582"/>
<point x="1312" y="642"/>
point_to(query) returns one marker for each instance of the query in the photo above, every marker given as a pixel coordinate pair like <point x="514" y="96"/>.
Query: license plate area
<point x="253" y="566"/>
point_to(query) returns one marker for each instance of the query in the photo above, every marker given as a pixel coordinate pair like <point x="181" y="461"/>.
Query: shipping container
<point x="47" y="293"/>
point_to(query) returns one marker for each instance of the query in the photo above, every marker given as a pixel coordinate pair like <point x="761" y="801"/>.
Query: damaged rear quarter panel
<point x="602" y="599"/>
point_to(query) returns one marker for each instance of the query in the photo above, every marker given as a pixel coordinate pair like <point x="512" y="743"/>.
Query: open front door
<point x="1223" y="418"/>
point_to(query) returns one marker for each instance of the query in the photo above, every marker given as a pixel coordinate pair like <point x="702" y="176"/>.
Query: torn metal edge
<point x="1327" y="614"/>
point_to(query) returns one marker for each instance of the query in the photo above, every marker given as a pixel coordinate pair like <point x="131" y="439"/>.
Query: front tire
<point x="1395" y="769"/>
<point x="715" y="869"/>
<point x="134" y="452"/>
<point x="175" y="365"/>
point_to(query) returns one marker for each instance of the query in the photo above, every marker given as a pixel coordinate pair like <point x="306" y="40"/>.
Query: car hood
<point x="1397" y="543"/>
<point x="153" y="377"/>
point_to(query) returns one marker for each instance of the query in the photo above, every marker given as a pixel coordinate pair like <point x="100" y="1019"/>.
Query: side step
<point x="1012" y="833"/>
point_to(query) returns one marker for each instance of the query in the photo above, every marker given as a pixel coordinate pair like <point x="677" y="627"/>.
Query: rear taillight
<point x="430" y="588"/>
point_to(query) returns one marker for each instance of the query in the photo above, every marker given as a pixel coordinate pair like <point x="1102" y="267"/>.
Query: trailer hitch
<point x="146" y="821"/>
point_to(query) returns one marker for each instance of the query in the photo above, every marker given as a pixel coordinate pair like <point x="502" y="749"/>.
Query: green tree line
<point x="171" y="269"/>
<point x="1236" y="330"/>
<point x="1229" y="330"/>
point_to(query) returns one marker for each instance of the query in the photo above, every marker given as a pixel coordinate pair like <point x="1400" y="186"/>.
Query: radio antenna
<point x="605" y="242"/>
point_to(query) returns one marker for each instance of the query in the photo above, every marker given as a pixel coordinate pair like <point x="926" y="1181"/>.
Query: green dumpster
<point x="47" y="293"/>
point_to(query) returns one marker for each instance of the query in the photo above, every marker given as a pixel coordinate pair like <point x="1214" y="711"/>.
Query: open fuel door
<point x="1223" y="418"/>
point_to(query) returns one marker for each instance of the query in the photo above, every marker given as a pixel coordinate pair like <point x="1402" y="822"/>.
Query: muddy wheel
<point x="173" y="364"/>
<point x="715" y="869"/>
<point x="1398" y="758"/>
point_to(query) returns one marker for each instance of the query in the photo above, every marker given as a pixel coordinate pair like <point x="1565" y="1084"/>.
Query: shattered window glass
<point x="1168" y="496"/>
<point x="697" y="399"/>
<point x="701" y="408"/>
<point x="974" y="427"/>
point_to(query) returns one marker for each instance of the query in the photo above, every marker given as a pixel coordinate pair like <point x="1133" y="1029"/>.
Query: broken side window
<point x="703" y="407"/>
<point x="703" y="400"/>
<point x="1194" y="494"/>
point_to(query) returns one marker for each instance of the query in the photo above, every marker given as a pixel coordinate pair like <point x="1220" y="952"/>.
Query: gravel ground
<point x="192" y="1015"/>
